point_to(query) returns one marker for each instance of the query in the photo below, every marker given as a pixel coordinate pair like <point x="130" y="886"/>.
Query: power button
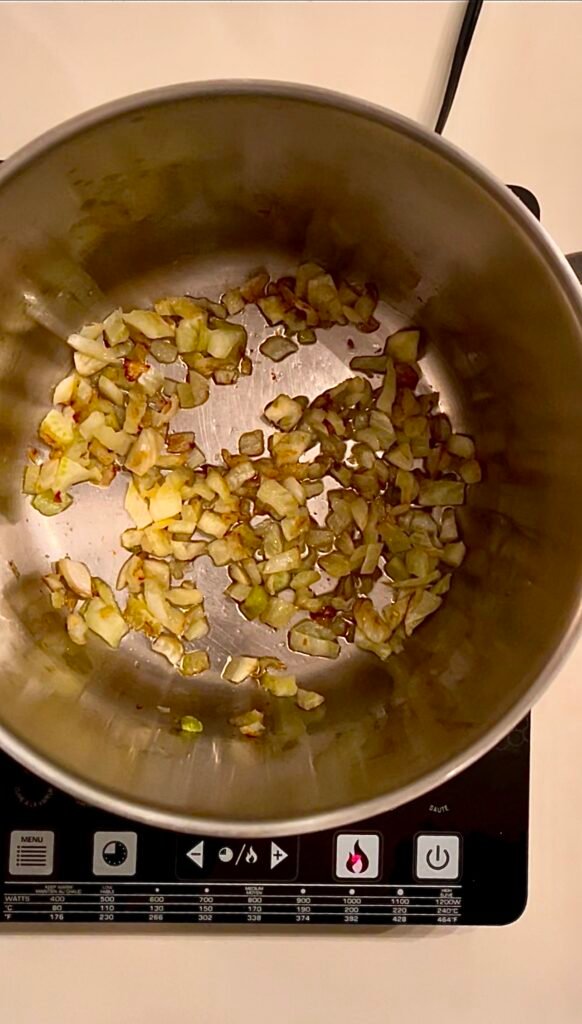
<point x="437" y="857"/>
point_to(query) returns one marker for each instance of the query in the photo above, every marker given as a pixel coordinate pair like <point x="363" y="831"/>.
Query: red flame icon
<point x="357" y="861"/>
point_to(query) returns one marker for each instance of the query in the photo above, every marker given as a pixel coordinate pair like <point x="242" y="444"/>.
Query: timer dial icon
<point x="115" y="853"/>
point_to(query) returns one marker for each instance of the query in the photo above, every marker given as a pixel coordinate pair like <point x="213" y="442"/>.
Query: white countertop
<point x="518" y="111"/>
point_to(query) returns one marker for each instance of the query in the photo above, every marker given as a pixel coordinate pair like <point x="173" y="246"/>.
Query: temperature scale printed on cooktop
<point x="455" y="856"/>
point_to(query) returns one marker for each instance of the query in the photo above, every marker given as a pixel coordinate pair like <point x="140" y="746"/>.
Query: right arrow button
<point x="277" y="856"/>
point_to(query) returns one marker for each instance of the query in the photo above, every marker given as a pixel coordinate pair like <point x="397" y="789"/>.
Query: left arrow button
<point x="196" y="854"/>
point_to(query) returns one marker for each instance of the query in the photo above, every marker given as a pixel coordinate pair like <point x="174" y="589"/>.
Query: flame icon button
<point x="357" y="856"/>
<point x="358" y="862"/>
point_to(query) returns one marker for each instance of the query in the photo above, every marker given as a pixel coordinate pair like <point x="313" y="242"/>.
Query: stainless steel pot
<point x="189" y="188"/>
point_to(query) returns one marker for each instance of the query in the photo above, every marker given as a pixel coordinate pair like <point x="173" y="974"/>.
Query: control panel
<point x="455" y="856"/>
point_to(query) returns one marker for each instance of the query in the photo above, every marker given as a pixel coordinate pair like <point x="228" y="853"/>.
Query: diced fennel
<point x="194" y="663"/>
<point x="274" y="496"/>
<point x="284" y="412"/>
<point x="77" y="628"/>
<point x="137" y="507"/>
<point x="110" y="390"/>
<point x="76" y="575"/>
<point x="50" y="504"/>
<point x="403" y="346"/>
<point x="422" y="604"/>
<point x="158" y="571"/>
<point x="251" y="723"/>
<point x="288" y="448"/>
<point x="279" y="685"/>
<point x="470" y="471"/>
<point x="106" y="621"/>
<point x="57" y="429"/>
<point x="308" y="700"/>
<point x="389" y="449"/>
<point x="255" y="604"/>
<point x="220" y="342"/>
<point x="251" y="443"/>
<point x="190" y="724"/>
<point x="459" y="444"/>
<point x="278" y="613"/>
<point x="441" y="492"/>
<point x="150" y="324"/>
<point x="114" y="328"/>
<point x="170" y="647"/>
<point x="165" y="502"/>
<point x="144" y="452"/>
<point x="237" y="669"/>
<point x="302" y="643"/>
<point x="65" y="390"/>
<point x="385" y="399"/>
<point x="278" y="348"/>
<point x="286" y="561"/>
<point x="184" y="597"/>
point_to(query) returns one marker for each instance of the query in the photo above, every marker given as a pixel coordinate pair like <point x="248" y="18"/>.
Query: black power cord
<point x="470" y="19"/>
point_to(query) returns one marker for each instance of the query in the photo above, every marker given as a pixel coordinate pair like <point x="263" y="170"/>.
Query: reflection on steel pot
<point x="189" y="189"/>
